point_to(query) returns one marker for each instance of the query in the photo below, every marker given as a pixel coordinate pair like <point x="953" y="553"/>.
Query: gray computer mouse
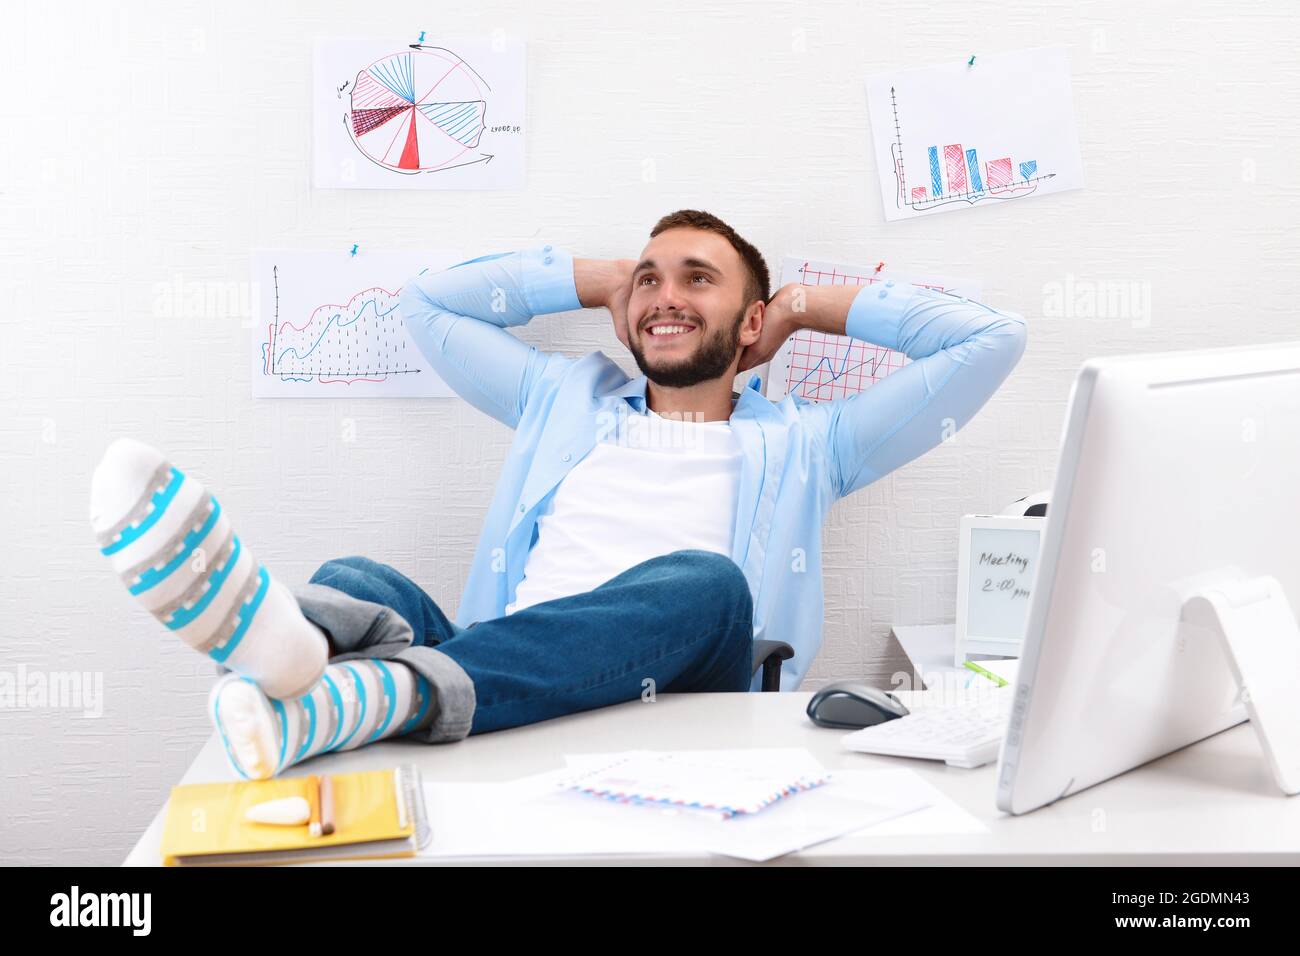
<point x="852" y="705"/>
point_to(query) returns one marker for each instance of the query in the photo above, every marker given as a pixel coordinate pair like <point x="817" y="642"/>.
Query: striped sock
<point x="173" y="546"/>
<point x="355" y="703"/>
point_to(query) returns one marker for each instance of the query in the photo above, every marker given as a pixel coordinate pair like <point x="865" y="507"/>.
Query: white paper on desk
<point x="906" y="804"/>
<point x="738" y="780"/>
<point x="938" y="815"/>
<point x="928" y="811"/>
<point x="800" y="821"/>
<point x="531" y="817"/>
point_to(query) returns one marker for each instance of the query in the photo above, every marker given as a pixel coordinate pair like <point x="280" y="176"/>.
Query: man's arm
<point x="459" y="317"/>
<point x="961" y="352"/>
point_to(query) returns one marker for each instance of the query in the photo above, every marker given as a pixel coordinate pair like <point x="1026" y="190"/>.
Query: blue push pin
<point x="421" y="40"/>
<point x="354" y="248"/>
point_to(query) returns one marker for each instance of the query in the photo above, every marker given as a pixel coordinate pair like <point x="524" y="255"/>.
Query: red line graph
<point x="340" y="343"/>
<point x="821" y="367"/>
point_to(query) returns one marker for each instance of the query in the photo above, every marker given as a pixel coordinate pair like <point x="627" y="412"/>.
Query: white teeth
<point x="669" y="329"/>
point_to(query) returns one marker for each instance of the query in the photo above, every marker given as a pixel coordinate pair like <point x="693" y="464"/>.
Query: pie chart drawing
<point x="417" y="111"/>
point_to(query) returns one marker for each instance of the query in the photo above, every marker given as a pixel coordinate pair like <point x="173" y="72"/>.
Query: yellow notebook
<point x="377" y="814"/>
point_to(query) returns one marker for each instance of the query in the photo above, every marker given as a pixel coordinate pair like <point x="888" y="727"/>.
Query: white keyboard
<point x="964" y="735"/>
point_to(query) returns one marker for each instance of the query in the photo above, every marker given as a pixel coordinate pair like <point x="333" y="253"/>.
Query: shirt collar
<point x="634" y="391"/>
<point x="750" y="400"/>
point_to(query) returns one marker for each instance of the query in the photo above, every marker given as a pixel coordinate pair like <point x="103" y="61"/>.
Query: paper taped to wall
<point x="959" y="135"/>
<point x="329" y="325"/>
<point x="439" y="114"/>
<point x="821" y="367"/>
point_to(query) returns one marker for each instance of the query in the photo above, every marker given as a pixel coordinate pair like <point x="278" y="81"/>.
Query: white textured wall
<point x="161" y="142"/>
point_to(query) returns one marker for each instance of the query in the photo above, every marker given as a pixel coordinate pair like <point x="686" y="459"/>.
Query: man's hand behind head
<point x="618" y="300"/>
<point x="780" y="321"/>
<point x="606" y="283"/>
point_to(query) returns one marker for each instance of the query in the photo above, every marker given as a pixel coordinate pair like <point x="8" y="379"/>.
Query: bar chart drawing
<point x="957" y="136"/>
<point x="819" y="367"/>
<point x="958" y="179"/>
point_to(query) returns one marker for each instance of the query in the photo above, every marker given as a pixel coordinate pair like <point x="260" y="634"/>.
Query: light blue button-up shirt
<point x="799" y="457"/>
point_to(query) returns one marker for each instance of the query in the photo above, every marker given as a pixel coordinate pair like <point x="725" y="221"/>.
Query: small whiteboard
<point x="996" y="567"/>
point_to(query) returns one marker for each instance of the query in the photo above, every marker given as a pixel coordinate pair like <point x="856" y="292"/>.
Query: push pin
<point x="971" y="61"/>
<point x="354" y="249"/>
<point x="879" y="266"/>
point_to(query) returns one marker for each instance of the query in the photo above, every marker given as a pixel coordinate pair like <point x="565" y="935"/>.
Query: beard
<point x="711" y="359"/>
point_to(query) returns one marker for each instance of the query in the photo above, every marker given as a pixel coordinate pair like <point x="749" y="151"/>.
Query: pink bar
<point x="955" y="160"/>
<point x="918" y="193"/>
<point x="999" y="172"/>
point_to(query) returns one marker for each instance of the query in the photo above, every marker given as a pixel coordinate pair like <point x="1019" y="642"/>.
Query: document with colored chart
<point x="821" y="367"/>
<point x="980" y="131"/>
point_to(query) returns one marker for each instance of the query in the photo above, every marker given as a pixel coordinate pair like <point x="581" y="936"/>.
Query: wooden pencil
<point x="313" y="800"/>
<point x="326" y="805"/>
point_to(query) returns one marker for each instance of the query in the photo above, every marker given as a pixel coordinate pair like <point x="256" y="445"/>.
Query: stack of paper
<point x="724" y="783"/>
<point x="719" y="801"/>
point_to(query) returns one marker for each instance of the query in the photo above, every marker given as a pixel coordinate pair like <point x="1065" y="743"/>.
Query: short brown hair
<point x="760" y="281"/>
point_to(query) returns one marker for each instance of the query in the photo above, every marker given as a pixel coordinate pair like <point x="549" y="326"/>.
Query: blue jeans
<point x="681" y="622"/>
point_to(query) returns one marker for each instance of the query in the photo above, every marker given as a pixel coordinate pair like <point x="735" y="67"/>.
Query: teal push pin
<point x="971" y="61"/>
<point x="354" y="248"/>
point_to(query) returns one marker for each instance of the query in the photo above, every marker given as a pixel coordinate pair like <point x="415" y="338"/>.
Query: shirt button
<point x="889" y="284"/>
<point x="566" y="456"/>
<point x="546" y="248"/>
<point x="883" y="293"/>
<point x="547" y="260"/>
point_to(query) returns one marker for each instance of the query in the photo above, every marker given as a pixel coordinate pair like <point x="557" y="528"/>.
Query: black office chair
<point x="769" y="655"/>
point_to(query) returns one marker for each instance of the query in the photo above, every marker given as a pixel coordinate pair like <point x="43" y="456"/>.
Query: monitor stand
<point x="1257" y="630"/>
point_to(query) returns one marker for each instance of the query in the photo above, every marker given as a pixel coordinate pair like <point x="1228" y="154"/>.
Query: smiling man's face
<point x="688" y="299"/>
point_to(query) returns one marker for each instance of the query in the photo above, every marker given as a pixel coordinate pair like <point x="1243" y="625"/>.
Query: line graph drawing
<point x="313" y="341"/>
<point x="818" y="367"/>
<point x="959" y="135"/>
<point x="338" y="341"/>
<point x="435" y="115"/>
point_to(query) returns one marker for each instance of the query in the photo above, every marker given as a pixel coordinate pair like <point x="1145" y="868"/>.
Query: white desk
<point x="1213" y="803"/>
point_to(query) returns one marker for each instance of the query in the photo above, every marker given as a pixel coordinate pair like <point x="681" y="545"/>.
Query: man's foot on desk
<point x="354" y="703"/>
<point x="174" y="548"/>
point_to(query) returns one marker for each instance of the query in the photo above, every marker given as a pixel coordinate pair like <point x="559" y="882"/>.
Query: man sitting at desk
<point x="643" y="533"/>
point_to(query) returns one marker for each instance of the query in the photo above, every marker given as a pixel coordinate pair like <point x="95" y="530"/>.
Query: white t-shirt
<point x="654" y="485"/>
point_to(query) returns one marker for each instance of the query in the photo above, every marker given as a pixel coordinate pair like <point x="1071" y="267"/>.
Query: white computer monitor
<point x="1176" y="470"/>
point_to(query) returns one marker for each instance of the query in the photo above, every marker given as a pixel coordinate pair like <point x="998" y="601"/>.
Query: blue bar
<point x="935" y="178"/>
<point x="1028" y="169"/>
<point x="973" y="167"/>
